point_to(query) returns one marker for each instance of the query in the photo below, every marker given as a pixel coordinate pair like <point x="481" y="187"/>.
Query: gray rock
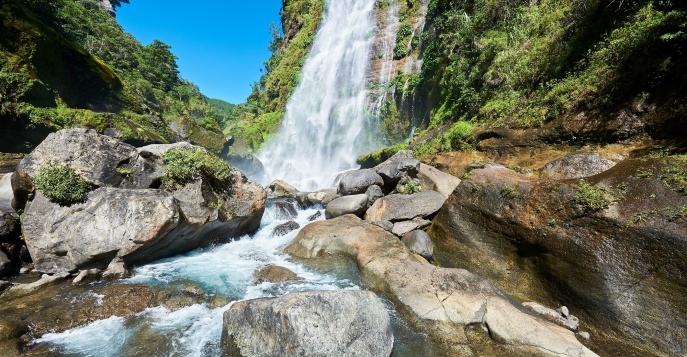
<point x="316" y="323"/>
<point x="584" y="335"/>
<point x="355" y="204"/>
<point x="316" y="198"/>
<point x="274" y="274"/>
<point x="399" y="207"/>
<point x="435" y="180"/>
<point x="284" y="228"/>
<point x="385" y="225"/>
<point x="373" y="193"/>
<point x="570" y="322"/>
<point x="329" y="198"/>
<point x="392" y="170"/>
<point x="315" y="216"/>
<point x="86" y="276"/>
<point x="10" y="227"/>
<point x="564" y="311"/>
<point x="117" y="269"/>
<point x="576" y="166"/>
<point x="93" y="156"/>
<point x="403" y="227"/>
<point x="26" y="289"/>
<point x="420" y="243"/>
<point x="283" y="209"/>
<point x="357" y="182"/>
<point x="6" y="265"/>
<point x="279" y="188"/>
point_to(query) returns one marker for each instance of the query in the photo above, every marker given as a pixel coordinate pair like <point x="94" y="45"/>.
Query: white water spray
<point x="325" y="117"/>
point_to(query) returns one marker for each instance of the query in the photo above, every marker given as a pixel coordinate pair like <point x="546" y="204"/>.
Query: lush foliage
<point x="69" y="64"/>
<point x="592" y="198"/>
<point x="522" y="64"/>
<point x="184" y="166"/>
<point x="61" y="184"/>
<point x="379" y="156"/>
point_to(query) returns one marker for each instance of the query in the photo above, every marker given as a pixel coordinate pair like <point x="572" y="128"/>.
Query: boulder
<point x="316" y="198"/>
<point x="315" y="216"/>
<point x="284" y="228"/>
<point x="93" y="156"/>
<point x="420" y="243"/>
<point x="403" y="227"/>
<point x="357" y="182"/>
<point x="398" y="207"/>
<point x="283" y="209"/>
<point x="10" y="227"/>
<point x="315" y="323"/>
<point x="329" y="198"/>
<point x="355" y="204"/>
<point x="445" y="303"/>
<point x="616" y="266"/>
<point x="435" y="180"/>
<point x="576" y="166"/>
<point x="373" y="193"/>
<point x="6" y="265"/>
<point x="392" y="170"/>
<point x="273" y="274"/>
<point x="279" y="188"/>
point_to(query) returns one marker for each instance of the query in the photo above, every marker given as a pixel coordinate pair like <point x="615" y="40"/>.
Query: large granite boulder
<point x="576" y="166"/>
<point x="315" y="323"/>
<point x="458" y="309"/>
<point x="399" y="207"/>
<point x="128" y="220"/>
<point x="280" y="188"/>
<point x="392" y="170"/>
<point x="355" y="204"/>
<point x="435" y="180"/>
<point x="613" y="248"/>
<point x="357" y="182"/>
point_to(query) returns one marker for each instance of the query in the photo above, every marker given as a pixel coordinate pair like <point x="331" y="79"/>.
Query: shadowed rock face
<point x="621" y="268"/>
<point x="446" y="303"/>
<point x="315" y="323"/>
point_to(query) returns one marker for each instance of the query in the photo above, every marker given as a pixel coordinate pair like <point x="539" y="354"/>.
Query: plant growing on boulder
<point x="184" y="166"/>
<point x="61" y="184"/>
<point x="591" y="197"/>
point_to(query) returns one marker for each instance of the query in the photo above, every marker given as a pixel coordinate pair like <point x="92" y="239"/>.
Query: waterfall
<point x="325" y="118"/>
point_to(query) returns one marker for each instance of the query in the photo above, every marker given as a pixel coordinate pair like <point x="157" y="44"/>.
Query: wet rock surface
<point x="273" y="274"/>
<point x="445" y="303"/>
<point x="318" y="323"/>
<point x="618" y="267"/>
<point x="284" y="228"/>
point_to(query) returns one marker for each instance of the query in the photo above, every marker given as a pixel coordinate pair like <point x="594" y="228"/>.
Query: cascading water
<point x="325" y="117"/>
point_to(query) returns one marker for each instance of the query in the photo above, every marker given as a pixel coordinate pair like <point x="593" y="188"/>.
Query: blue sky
<point x="221" y="45"/>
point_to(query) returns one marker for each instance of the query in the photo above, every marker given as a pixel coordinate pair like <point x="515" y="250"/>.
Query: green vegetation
<point x="675" y="174"/>
<point x="69" y="64"/>
<point x="403" y="39"/>
<point x="591" y="197"/>
<point x="377" y="157"/>
<point x="409" y="188"/>
<point x="125" y="171"/>
<point x="520" y="64"/>
<point x="61" y="184"/>
<point x="185" y="166"/>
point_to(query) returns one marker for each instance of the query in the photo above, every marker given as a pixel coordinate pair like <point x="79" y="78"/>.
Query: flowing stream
<point x="322" y="131"/>
<point x="225" y="271"/>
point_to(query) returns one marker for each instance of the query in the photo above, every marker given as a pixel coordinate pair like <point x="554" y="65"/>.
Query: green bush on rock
<point x="591" y="197"/>
<point x="184" y="166"/>
<point x="61" y="184"/>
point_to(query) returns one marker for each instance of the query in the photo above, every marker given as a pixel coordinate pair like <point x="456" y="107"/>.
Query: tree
<point x="159" y="66"/>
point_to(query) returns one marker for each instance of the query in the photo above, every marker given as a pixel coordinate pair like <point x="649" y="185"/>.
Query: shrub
<point x="456" y="136"/>
<point x="61" y="184"/>
<point x="184" y="166"/>
<point x="409" y="188"/>
<point x="592" y="198"/>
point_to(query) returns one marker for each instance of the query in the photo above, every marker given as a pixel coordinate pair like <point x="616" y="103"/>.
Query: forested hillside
<point x="69" y="64"/>
<point x="576" y="71"/>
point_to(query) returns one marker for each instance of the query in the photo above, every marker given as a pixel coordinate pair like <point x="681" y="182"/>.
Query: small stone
<point x="315" y="216"/>
<point x="274" y="274"/>
<point x="86" y="276"/>
<point x="329" y="198"/>
<point x="584" y="335"/>
<point x="284" y="228"/>
<point x="420" y="243"/>
<point x="24" y="271"/>
<point x="564" y="311"/>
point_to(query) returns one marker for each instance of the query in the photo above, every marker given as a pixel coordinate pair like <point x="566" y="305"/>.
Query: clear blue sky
<point x="221" y="44"/>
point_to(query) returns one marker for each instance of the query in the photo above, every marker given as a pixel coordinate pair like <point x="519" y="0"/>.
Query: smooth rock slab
<point x="400" y="207"/>
<point x="316" y="323"/>
<point x="355" y="204"/>
<point x="576" y="166"/>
